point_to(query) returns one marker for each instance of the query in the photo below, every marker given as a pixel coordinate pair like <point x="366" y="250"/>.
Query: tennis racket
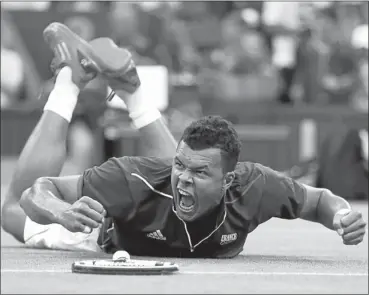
<point x="128" y="267"/>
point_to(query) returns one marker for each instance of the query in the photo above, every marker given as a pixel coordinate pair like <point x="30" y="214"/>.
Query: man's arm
<point x="56" y="200"/>
<point x="47" y="197"/>
<point x="321" y="205"/>
<point x="335" y="213"/>
<point x="283" y="197"/>
<point x="77" y="202"/>
<point x="102" y="188"/>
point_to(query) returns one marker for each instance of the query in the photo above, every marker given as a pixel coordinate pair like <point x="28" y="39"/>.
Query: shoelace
<point x="55" y="70"/>
<point x="110" y="96"/>
<point x="86" y="66"/>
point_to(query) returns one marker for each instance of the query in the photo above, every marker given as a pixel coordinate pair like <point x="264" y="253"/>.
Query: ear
<point x="228" y="179"/>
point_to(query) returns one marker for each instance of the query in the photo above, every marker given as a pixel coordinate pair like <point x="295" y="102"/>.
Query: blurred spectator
<point x="242" y="68"/>
<point x="12" y="70"/>
<point x="188" y="58"/>
<point x="282" y="23"/>
<point x="142" y="29"/>
<point x="159" y="28"/>
<point x="339" y="80"/>
<point x="79" y="6"/>
<point x="127" y="31"/>
<point x="155" y="34"/>
<point x="326" y="67"/>
<point x="193" y="10"/>
<point x="343" y="163"/>
<point x="183" y="115"/>
<point x="348" y="17"/>
<point x="300" y="50"/>
<point x="312" y="53"/>
<point x="12" y="77"/>
<point x="26" y="5"/>
<point x="359" y="41"/>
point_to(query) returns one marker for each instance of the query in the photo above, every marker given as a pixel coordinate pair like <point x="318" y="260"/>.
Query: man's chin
<point x="186" y="216"/>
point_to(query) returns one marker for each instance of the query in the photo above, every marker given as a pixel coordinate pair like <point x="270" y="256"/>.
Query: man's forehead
<point x="208" y="155"/>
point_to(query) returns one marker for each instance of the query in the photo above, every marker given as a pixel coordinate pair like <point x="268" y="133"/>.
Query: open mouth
<point x="186" y="201"/>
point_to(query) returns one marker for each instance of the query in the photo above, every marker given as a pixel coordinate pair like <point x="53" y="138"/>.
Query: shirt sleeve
<point x="282" y="197"/>
<point x="108" y="185"/>
<point x="114" y="186"/>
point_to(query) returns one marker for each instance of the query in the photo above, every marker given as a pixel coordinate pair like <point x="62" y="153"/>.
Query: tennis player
<point x="191" y="199"/>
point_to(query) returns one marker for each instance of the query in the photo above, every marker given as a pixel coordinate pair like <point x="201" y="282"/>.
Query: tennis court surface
<point x="279" y="257"/>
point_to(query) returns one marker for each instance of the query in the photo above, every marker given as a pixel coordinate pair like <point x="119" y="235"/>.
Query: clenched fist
<point x="83" y="215"/>
<point x="350" y="225"/>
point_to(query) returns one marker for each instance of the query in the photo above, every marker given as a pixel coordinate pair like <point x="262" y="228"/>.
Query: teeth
<point x="184" y="207"/>
<point x="183" y="193"/>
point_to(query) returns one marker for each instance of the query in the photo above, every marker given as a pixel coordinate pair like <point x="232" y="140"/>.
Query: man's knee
<point x="13" y="220"/>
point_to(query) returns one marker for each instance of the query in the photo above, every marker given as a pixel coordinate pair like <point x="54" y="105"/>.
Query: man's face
<point x="197" y="181"/>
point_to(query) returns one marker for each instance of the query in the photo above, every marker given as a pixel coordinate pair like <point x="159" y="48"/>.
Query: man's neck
<point x="204" y="225"/>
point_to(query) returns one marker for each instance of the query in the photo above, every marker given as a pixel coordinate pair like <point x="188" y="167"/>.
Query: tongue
<point x="187" y="201"/>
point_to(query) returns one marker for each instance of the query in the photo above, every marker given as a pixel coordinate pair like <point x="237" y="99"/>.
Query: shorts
<point x="56" y="237"/>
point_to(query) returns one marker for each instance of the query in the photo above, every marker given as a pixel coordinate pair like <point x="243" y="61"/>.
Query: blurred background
<point x="291" y="76"/>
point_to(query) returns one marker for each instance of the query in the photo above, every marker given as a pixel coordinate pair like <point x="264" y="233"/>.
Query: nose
<point x="185" y="178"/>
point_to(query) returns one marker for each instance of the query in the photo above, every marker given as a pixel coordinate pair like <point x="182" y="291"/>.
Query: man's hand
<point x="83" y="215"/>
<point x="350" y="225"/>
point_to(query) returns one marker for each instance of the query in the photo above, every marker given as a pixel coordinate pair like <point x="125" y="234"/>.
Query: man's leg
<point x="158" y="141"/>
<point x="156" y="138"/>
<point x="155" y="135"/>
<point x="44" y="153"/>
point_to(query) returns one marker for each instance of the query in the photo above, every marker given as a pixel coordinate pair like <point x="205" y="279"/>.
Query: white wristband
<point x="145" y="118"/>
<point x="63" y="100"/>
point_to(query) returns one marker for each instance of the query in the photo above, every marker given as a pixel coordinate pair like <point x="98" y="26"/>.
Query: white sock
<point x="63" y="98"/>
<point x="141" y="110"/>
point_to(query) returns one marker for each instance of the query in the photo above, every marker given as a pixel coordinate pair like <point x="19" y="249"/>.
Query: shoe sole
<point x="102" y="54"/>
<point x="116" y="60"/>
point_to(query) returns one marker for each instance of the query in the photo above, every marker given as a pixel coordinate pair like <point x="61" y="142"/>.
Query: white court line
<point x="251" y="273"/>
<point x="257" y="273"/>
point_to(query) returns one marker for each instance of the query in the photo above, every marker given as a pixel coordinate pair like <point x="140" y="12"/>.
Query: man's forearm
<point x="42" y="202"/>
<point x="329" y="204"/>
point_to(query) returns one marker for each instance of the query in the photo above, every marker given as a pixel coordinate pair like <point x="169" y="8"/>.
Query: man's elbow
<point x="312" y="202"/>
<point x="28" y="203"/>
<point x="322" y="207"/>
<point x="34" y="199"/>
<point x="28" y="200"/>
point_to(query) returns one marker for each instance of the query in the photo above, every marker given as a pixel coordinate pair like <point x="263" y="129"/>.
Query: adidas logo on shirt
<point x="157" y="235"/>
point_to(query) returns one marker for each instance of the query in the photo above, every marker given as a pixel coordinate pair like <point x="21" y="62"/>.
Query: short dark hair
<point x="214" y="132"/>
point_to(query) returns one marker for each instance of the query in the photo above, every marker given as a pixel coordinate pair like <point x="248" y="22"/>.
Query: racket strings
<point x="129" y="263"/>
